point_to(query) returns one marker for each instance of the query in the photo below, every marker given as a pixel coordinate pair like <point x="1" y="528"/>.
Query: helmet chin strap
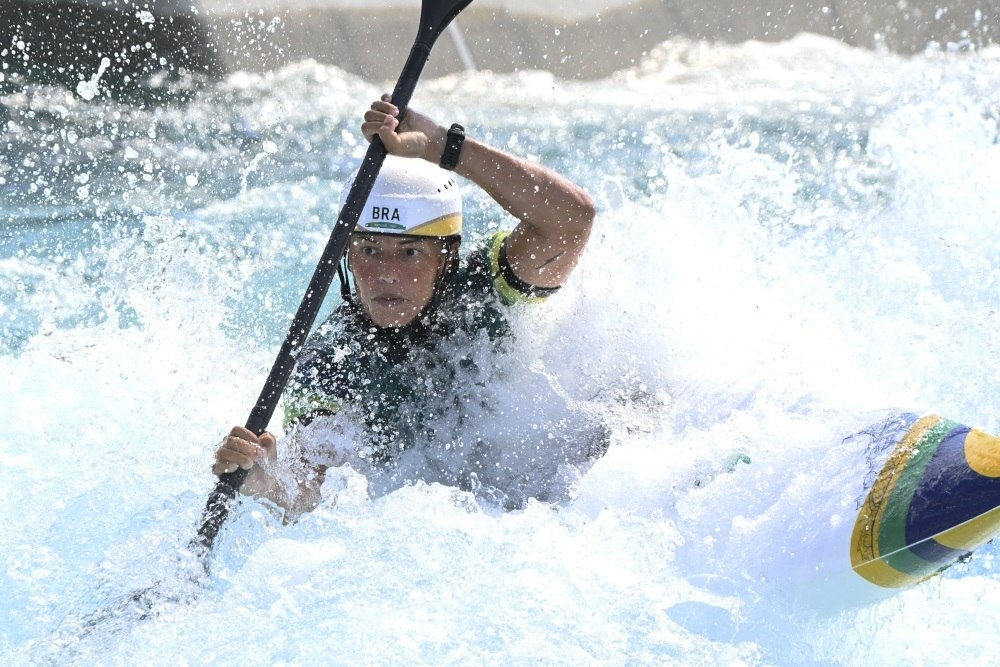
<point x="345" y="287"/>
<point x="448" y="267"/>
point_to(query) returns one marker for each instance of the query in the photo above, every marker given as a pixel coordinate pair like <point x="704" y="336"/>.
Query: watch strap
<point x="452" y="147"/>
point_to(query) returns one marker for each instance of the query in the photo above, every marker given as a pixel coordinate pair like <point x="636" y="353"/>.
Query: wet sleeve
<point x="315" y="388"/>
<point x="511" y="288"/>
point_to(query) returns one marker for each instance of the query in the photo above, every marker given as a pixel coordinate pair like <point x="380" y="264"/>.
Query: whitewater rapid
<point x="790" y="238"/>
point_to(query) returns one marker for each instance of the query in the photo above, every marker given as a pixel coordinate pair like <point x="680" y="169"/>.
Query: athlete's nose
<point x="389" y="272"/>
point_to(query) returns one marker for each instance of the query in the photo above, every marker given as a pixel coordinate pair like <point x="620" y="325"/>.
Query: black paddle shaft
<point x="435" y="15"/>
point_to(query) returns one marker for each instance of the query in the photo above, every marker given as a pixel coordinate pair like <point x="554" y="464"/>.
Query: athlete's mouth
<point x="389" y="300"/>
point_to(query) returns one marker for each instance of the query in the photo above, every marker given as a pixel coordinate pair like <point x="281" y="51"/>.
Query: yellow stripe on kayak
<point x="982" y="451"/>
<point x="973" y="533"/>
<point x="865" y="557"/>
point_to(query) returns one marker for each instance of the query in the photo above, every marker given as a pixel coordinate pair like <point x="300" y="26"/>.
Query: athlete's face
<point x="395" y="275"/>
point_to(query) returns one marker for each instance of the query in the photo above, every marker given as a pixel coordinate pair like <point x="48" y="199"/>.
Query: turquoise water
<point x="790" y="236"/>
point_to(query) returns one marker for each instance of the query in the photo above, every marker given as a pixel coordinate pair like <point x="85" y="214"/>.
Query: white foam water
<point x="790" y="238"/>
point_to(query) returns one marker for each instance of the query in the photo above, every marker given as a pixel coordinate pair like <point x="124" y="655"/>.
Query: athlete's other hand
<point x="415" y="136"/>
<point x="243" y="449"/>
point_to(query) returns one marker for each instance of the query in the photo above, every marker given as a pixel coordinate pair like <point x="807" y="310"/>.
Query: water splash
<point x="788" y="235"/>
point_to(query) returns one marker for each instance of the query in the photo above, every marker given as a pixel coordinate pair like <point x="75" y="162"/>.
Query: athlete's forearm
<point x="555" y="215"/>
<point x="303" y="497"/>
<point x="262" y="484"/>
<point x="534" y="194"/>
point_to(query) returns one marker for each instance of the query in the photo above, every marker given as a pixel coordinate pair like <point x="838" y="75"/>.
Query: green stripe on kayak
<point x="892" y="532"/>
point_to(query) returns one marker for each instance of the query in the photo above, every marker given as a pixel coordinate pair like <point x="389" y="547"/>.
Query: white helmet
<point x="411" y="197"/>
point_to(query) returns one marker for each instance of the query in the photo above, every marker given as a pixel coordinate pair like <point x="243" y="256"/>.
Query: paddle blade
<point x="435" y="15"/>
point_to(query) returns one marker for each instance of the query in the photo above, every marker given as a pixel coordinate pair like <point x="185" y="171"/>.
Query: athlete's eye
<point x="412" y="252"/>
<point x="369" y="250"/>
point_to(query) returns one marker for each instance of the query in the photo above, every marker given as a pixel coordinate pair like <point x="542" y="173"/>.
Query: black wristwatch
<point x="452" y="147"/>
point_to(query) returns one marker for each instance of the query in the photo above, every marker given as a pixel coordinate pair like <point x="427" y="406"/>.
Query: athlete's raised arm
<point x="555" y="215"/>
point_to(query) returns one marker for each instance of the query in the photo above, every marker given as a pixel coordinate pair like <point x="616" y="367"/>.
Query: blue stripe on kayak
<point x="949" y="494"/>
